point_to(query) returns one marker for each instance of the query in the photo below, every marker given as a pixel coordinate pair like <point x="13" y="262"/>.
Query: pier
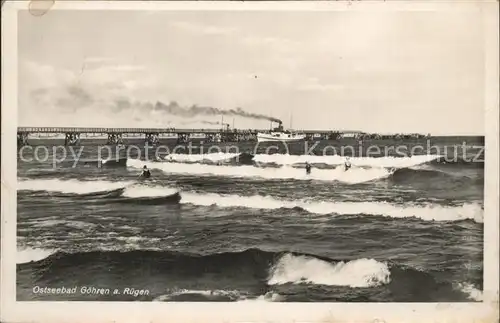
<point x="152" y="136"/>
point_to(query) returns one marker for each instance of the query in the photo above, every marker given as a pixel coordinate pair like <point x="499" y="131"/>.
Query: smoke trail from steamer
<point x="175" y="109"/>
<point x="75" y="97"/>
<point x="213" y="123"/>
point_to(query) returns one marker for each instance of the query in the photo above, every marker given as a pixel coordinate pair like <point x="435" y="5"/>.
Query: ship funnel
<point x="279" y="128"/>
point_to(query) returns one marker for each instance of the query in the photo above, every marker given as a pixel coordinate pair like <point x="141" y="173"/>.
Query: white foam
<point x="287" y="159"/>
<point x="472" y="292"/>
<point x="52" y="222"/>
<point x="234" y="294"/>
<point x="386" y="161"/>
<point x="28" y="254"/>
<point x="267" y="297"/>
<point x="71" y="186"/>
<point x="138" y="191"/>
<point x="353" y="176"/>
<point x="213" y="157"/>
<point x="431" y="212"/>
<point x="137" y="239"/>
<point x="303" y="269"/>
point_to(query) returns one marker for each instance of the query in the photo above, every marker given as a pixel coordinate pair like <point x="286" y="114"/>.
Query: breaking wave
<point x="353" y="176"/>
<point x="248" y="275"/>
<point x="28" y="254"/>
<point x="472" y="292"/>
<point x="139" y="191"/>
<point x="289" y="160"/>
<point x="429" y="212"/>
<point x="196" y="158"/>
<point x="158" y="194"/>
<point x="201" y="295"/>
<point x="385" y="162"/>
<point x="111" y="162"/>
<point x="122" y="192"/>
<point x="298" y="269"/>
<point x="269" y="268"/>
<point x="70" y="186"/>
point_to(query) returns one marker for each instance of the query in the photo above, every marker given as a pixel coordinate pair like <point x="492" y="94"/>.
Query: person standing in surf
<point x="308" y="168"/>
<point x="347" y="164"/>
<point x="145" y="172"/>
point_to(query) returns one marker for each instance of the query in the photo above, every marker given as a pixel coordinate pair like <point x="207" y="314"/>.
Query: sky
<point x="378" y="71"/>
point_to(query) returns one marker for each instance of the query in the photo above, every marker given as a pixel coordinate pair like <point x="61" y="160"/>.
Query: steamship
<point x="278" y="134"/>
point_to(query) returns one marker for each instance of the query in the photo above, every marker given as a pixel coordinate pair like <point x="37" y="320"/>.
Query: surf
<point x="290" y="160"/>
<point x="353" y="176"/>
<point x="426" y="212"/>
<point x="133" y="192"/>
<point x="105" y="191"/>
<point x="270" y="268"/>
<point x="70" y="186"/>
<point x="26" y="255"/>
<point x="102" y="163"/>
<point x="384" y="162"/>
<point x="196" y="158"/>
<point x="249" y="274"/>
<point x="301" y="269"/>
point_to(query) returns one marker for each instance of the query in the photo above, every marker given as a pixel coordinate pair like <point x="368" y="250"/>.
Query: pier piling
<point x="152" y="139"/>
<point x="72" y="139"/>
<point x="22" y="139"/>
<point x="115" y="139"/>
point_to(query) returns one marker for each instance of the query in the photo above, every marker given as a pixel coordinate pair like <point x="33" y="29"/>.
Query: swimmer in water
<point x="308" y="168"/>
<point x="347" y="164"/>
<point x="145" y="172"/>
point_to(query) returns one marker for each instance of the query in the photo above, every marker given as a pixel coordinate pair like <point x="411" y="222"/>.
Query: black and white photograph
<point x="252" y="156"/>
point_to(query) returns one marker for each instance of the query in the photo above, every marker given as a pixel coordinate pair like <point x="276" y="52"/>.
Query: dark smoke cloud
<point x="175" y="109"/>
<point x="217" y="123"/>
<point x="76" y="97"/>
<point x="212" y="122"/>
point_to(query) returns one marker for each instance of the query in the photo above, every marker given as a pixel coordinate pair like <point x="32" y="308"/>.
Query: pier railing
<point x="190" y="131"/>
<point x="131" y="130"/>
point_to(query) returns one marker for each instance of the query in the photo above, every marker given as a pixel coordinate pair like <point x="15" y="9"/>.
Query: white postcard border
<point x="248" y="311"/>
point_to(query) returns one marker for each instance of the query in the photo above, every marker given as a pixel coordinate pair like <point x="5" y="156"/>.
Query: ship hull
<point x="264" y="137"/>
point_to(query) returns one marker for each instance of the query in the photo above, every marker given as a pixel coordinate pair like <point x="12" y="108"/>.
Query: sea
<point x="236" y="222"/>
